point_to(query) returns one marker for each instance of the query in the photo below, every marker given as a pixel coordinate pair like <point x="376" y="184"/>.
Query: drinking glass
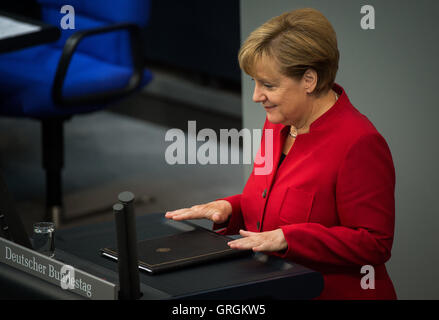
<point x="44" y="238"/>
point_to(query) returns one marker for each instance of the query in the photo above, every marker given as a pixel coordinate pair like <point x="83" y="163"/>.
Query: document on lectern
<point x="181" y="250"/>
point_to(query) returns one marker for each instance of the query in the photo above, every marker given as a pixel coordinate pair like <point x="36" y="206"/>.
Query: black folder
<point x="181" y="250"/>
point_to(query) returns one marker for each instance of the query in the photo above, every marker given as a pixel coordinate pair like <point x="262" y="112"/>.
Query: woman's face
<point x="283" y="98"/>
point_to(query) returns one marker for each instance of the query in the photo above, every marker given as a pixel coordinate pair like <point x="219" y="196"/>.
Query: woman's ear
<point x="310" y="78"/>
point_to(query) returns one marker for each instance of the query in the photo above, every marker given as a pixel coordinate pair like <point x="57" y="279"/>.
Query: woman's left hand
<point x="260" y="241"/>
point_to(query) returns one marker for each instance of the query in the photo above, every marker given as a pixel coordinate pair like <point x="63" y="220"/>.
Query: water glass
<point x="44" y="238"/>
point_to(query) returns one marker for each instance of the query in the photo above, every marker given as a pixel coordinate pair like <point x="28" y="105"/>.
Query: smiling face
<point x="285" y="99"/>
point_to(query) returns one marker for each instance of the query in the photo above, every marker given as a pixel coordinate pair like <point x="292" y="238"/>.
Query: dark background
<point x="197" y="37"/>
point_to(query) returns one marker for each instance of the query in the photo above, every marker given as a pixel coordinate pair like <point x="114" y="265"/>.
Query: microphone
<point x="127" y="247"/>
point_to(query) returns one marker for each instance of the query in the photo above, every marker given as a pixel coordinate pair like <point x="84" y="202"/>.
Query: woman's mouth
<point x="269" y="107"/>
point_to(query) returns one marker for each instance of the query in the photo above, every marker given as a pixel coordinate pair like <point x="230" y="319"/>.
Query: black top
<point x="282" y="157"/>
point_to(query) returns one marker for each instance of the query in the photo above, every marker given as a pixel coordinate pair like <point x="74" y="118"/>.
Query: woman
<point x="328" y="203"/>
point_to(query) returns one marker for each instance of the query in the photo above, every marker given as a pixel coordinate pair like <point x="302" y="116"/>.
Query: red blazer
<point x="333" y="198"/>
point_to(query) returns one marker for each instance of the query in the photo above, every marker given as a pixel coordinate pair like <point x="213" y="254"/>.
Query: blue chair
<point x="97" y="63"/>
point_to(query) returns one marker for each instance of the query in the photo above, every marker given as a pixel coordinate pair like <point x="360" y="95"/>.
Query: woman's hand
<point x="260" y="241"/>
<point x="217" y="211"/>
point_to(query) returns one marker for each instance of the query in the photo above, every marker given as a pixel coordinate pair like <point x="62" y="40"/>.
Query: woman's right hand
<point x="217" y="211"/>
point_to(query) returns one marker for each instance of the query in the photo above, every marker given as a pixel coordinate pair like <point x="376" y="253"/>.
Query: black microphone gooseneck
<point x="127" y="247"/>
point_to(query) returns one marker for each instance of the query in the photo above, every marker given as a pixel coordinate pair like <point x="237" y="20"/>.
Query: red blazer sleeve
<point x="235" y="221"/>
<point x="366" y="209"/>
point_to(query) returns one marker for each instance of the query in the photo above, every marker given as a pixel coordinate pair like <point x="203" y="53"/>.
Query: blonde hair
<point x="296" y="40"/>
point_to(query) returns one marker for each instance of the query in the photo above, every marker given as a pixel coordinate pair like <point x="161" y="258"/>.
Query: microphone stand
<point x="127" y="247"/>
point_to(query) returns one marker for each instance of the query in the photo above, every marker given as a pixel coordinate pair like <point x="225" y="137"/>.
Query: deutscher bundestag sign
<point x="56" y="272"/>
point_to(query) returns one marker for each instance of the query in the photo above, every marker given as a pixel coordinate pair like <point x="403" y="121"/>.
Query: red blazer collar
<point x="342" y="100"/>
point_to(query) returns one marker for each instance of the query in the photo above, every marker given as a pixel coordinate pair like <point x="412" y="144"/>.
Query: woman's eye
<point x="267" y="85"/>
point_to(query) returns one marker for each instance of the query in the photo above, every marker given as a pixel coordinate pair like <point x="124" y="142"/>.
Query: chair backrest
<point x="113" y="47"/>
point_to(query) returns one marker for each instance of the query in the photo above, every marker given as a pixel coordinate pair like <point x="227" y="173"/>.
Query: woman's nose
<point x="258" y="95"/>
